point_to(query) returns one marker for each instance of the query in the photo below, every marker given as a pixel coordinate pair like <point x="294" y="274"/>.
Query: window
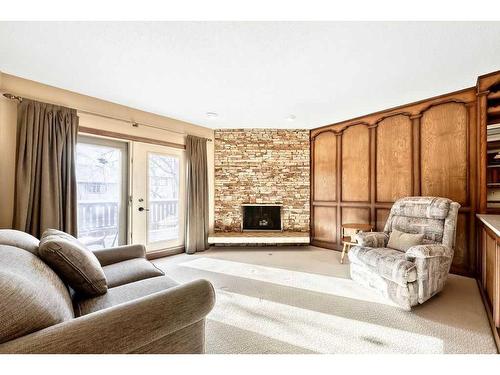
<point x="95" y="188"/>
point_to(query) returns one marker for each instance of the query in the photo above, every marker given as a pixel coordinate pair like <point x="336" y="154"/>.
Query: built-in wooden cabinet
<point x="488" y="103"/>
<point x="488" y="241"/>
<point x="489" y="278"/>
<point x="361" y="166"/>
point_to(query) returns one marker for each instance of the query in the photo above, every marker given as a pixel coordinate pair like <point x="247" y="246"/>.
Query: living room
<point x="249" y="187"/>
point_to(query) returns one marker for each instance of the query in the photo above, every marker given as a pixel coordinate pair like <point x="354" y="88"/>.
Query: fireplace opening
<point x="261" y="217"/>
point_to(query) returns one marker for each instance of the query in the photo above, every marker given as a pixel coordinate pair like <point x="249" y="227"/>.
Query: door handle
<point x="142" y="209"/>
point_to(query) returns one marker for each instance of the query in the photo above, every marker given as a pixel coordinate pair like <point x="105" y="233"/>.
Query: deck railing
<point x="103" y="216"/>
<point x="163" y="213"/>
<point x="97" y="216"/>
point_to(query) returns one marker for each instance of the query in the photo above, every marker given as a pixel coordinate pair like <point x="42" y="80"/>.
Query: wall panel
<point x="325" y="162"/>
<point x="355" y="215"/>
<point x="356" y="164"/>
<point x="443" y="132"/>
<point x="382" y="216"/>
<point x="394" y="158"/>
<point x="325" y="224"/>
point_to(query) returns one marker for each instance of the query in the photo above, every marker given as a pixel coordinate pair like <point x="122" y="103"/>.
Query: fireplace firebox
<point x="261" y="217"/>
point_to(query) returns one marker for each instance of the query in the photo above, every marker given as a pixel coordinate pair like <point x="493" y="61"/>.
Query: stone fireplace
<point x="261" y="167"/>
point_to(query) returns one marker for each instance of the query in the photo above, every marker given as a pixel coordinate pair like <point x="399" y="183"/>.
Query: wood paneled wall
<point x="361" y="166"/>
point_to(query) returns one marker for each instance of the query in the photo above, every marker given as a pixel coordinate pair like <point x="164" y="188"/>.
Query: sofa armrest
<point x="119" y="254"/>
<point x="371" y="239"/>
<point x="429" y="251"/>
<point x="433" y="264"/>
<point x="122" y="328"/>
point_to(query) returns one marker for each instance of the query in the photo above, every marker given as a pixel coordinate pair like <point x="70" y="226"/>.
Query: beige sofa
<point x="143" y="310"/>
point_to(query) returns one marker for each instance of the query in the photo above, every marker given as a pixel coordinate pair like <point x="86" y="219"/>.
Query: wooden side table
<point x="348" y="241"/>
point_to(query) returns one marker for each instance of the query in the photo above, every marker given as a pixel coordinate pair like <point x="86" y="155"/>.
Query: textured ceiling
<point x="253" y="74"/>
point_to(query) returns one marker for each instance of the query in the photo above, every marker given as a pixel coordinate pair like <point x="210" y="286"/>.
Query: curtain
<point x="45" y="191"/>
<point x="197" y="195"/>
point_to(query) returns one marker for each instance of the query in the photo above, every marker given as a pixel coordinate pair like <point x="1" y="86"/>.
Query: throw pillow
<point x="403" y="241"/>
<point x="73" y="262"/>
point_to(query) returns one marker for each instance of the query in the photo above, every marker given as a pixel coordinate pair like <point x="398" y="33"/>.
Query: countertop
<point x="491" y="221"/>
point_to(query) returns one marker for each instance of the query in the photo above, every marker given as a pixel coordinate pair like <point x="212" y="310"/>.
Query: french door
<point x="157" y="199"/>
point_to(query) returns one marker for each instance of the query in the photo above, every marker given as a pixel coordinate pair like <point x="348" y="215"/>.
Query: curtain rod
<point x="135" y="124"/>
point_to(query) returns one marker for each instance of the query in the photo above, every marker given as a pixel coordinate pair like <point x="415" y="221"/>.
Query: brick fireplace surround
<point x="261" y="166"/>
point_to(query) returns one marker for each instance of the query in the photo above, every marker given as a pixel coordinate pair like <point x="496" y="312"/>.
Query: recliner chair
<point x="411" y="277"/>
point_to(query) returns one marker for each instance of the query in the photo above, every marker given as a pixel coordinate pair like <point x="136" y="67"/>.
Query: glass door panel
<point x="157" y="197"/>
<point x="163" y="198"/>
<point x="101" y="174"/>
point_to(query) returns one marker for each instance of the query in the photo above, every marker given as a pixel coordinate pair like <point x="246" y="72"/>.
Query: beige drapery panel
<point x="45" y="192"/>
<point x="197" y="195"/>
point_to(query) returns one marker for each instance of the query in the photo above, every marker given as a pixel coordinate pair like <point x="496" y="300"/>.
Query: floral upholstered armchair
<point x="413" y="276"/>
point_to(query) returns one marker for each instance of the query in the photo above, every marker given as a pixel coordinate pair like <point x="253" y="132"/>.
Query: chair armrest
<point x="371" y="239"/>
<point x="429" y="251"/>
<point x="433" y="264"/>
<point x="122" y="328"/>
<point x="119" y="254"/>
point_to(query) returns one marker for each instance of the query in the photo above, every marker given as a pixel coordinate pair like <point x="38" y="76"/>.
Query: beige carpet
<point x="301" y="300"/>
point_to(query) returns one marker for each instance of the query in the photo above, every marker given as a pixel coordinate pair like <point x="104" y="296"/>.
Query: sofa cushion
<point x="19" y="239"/>
<point x="73" y="262"/>
<point x="403" y="241"/>
<point x="32" y="296"/>
<point x="423" y="207"/>
<point x="117" y="254"/>
<point x="124" y="293"/>
<point x="388" y="263"/>
<point x="129" y="271"/>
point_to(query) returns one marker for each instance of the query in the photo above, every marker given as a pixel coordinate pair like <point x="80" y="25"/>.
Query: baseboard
<point x="165" y="252"/>
<point x="487" y="306"/>
<point x="326" y="245"/>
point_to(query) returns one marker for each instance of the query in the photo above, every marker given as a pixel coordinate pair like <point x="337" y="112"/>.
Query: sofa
<point x="142" y="311"/>
<point x="408" y="277"/>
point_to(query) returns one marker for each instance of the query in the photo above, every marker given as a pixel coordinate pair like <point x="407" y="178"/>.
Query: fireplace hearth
<point x="262" y="217"/>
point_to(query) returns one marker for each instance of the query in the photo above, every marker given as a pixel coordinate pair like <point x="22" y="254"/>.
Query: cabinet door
<point x="496" y="284"/>
<point x="491" y="246"/>
<point x="490" y="273"/>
